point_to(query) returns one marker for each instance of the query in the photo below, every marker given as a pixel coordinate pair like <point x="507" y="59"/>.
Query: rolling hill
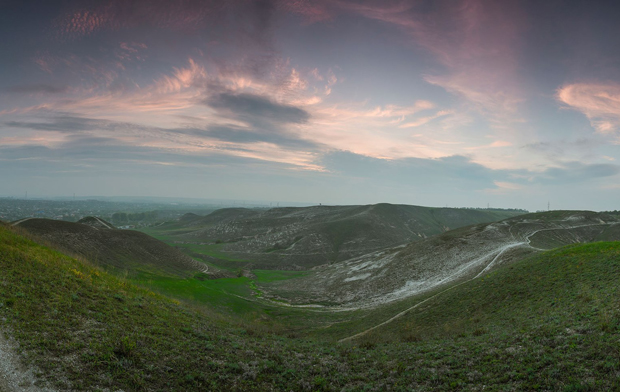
<point x="550" y="322"/>
<point x="305" y="237"/>
<point x="393" y="274"/>
<point x="122" y="250"/>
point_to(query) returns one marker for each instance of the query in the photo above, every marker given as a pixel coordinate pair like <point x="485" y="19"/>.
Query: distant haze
<point x="459" y="103"/>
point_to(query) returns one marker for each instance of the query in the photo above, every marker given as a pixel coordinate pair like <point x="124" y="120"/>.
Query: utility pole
<point x="548" y="206"/>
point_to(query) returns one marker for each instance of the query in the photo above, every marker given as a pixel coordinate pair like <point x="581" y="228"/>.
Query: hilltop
<point x="549" y="322"/>
<point x="305" y="237"/>
<point x="101" y="243"/>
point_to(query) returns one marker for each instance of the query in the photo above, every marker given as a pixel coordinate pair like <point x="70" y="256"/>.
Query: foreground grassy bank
<point x="88" y="330"/>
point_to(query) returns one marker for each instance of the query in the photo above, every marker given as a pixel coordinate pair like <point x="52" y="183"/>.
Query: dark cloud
<point x="37" y="88"/>
<point x="257" y="109"/>
<point x="81" y="149"/>
<point x="80" y="127"/>
<point x="457" y="172"/>
<point x="237" y="19"/>
<point x="66" y="124"/>
<point x="573" y="172"/>
<point x="560" y="148"/>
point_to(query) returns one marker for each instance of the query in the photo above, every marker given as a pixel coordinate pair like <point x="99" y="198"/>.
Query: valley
<point x="430" y="294"/>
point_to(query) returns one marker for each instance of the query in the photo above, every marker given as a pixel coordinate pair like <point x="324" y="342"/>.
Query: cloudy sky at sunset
<point x="459" y="103"/>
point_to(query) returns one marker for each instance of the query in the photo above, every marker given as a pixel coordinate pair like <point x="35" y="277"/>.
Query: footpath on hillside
<point x="14" y="376"/>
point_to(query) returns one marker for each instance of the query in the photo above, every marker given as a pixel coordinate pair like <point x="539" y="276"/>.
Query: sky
<point x="511" y="104"/>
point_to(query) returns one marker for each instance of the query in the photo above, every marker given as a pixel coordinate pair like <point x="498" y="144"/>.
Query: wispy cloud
<point x="475" y="40"/>
<point x="37" y="89"/>
<point x="599" y="102"/>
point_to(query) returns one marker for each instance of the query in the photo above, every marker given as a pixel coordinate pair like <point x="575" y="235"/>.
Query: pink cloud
<point x="424" y="120"/>
<point x="118" y="14"/>
<point x="476" y="40"/>
<point x="599" y="102"/>
<point x="503" y="188"/>
<point x="311" y="11"/>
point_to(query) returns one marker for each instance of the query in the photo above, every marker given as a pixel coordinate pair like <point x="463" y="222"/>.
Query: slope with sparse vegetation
<point x="546" y="323"/>
<point x="393" y="274"/>
<point x="301" y="238"/>
<point x="125" y="251"/>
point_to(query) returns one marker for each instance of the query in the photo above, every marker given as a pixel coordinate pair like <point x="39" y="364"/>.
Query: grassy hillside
<point x="393" y="274"/>
<point x="546" y="323"/>
<point x="300" y="238"/>
<point x="125" y="251"/>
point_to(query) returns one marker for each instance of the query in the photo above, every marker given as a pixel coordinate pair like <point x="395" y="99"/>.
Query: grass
<point x="236" y="298"/>
<point x="576" y="285"/>
<point x="546" y="323"/>
<point x="267" y="276"/>
<point x="222" y="294"/>
<point x="210" y="253"/>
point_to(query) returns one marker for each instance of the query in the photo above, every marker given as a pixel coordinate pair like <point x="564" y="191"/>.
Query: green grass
<point x="218" y="293"/>
<point x="267" y="276"/>
<point x="237" y="298"/>
<point x="546" y="323"/>
<point x="576" y="285"/>
<point x="213" y="251"/>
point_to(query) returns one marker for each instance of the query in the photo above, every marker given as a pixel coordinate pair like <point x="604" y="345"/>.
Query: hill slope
<point x="396" y="273"/>
<point x="576" y="285"/>
<point x="300" y="238"/>
<point x="122" y="250"/>
<point x="87" y="330"/>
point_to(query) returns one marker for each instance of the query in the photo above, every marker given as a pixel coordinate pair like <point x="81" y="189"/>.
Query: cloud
<point x="237" y="20"/>
<point x="424" y="120"/>
<point x="243" y="136"/>
<point x="576" y="172"/>
<point x="64" y="124"/>
<point x="503" y="188"/>
<point x="456" y="171"/>
<point x="257" y="109"/>
<point x="476" y="41"/>
<point x="462" y="173"/>
<point x="599" y="102"/>
<point x="560" y="150"/>
<point x="37" y="89"/>
<point x="311" y="11"/>
<point x="276" y="146"/>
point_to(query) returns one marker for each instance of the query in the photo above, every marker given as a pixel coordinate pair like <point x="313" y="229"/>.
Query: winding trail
<point x="500" y="251"/>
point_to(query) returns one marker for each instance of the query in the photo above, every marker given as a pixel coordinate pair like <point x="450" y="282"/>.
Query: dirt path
<point x="20" y="221"/>
<point x="14" y="376"/>
<point x="501" y="251"/>
<point x="103" y="223"/>
<point x="487" y="268"/>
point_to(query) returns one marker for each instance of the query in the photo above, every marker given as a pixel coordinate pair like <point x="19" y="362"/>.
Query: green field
<point x="209" y="253"/>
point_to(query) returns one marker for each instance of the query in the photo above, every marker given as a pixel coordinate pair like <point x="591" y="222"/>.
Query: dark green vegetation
<point x="301" y="238"/>
<point x="550" y="322"/>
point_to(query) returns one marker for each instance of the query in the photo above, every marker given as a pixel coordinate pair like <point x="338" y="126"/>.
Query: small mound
<point x="96" y="222"/>
<point x="122" y="250"/>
